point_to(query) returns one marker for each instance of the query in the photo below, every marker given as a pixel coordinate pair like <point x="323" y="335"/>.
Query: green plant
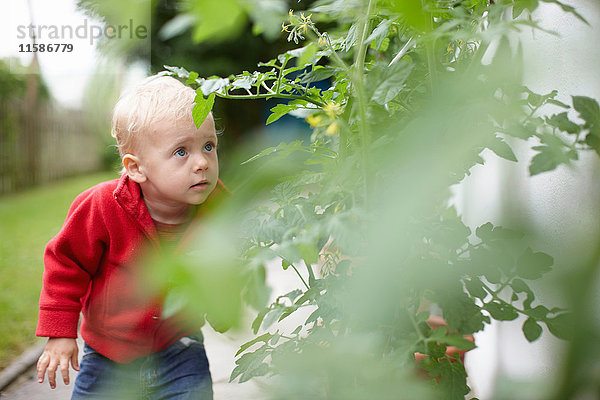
<point x="412" y="104"/>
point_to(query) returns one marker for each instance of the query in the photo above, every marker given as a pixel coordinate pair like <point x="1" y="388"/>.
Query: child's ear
<point x="133" y="168"/>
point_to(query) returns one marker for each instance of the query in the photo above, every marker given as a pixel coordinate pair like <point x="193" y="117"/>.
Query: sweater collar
<point x="128" y="195"/>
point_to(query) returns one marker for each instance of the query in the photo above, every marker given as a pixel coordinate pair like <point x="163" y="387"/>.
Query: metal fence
<point x="43" y="145"/>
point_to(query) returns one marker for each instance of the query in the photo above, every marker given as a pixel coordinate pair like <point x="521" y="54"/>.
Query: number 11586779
<point x="46" y="48"/>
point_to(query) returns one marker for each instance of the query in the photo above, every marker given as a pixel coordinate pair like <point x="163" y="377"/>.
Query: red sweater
<point x="93" y="266"/>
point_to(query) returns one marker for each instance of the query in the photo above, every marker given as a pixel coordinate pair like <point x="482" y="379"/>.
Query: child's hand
<point x="58" y="351"/>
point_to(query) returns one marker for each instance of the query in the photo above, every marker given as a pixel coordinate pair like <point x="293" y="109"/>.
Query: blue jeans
<point x="178" y="372"/>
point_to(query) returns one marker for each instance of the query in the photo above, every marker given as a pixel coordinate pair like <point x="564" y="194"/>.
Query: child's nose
<point x="200" y="162"/>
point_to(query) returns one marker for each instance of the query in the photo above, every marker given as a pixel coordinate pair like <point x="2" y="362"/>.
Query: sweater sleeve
<point x="70" y="261"/>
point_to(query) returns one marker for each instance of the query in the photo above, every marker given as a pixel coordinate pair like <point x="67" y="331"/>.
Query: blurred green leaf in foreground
<point x="361" y="215"/>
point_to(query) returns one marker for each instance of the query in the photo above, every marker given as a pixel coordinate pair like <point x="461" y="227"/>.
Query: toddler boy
<point x="94" y="264"/>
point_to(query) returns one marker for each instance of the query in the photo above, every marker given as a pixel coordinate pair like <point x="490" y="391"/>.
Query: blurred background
<point x="55" y="110"/>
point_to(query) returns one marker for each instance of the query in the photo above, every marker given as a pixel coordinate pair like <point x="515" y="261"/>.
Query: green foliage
<point x="590" y="112"/>
<point x="360" y="213"/>
<point x="226" y="18"/>
<point x="119" y="13"/>
<point x="195" y="279"/>
<point x="202" y="107"/>
<point x="13" y="81"/>
<point x="217" y="21"/>
<point x="12" y="85"/>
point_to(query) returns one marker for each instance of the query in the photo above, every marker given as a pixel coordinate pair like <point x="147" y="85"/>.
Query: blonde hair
<point x="156" y="98"/>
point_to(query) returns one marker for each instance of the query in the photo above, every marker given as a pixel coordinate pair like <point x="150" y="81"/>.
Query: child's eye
<point x="180" y="153"/>
<point x="209" y="147"/>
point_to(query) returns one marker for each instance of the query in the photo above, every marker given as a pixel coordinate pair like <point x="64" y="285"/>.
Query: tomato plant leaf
<point x="561" y="326"/>
<point x="589" y="111"/>
<point x="562" y="122"/>
<point x="250" y="365"/>
<point x="390" y="81"/>
<point x="501" y="312"/>
<point x="499" y="146"/>
<point x="532" y="265"/>
<point x="459" y="342"/>
<point x="452" y="379"/>
<point x="531" y="329"/>
<point x="262" y="338"/>
<point x="567" y="8"/>
<point x="202" y="107"/>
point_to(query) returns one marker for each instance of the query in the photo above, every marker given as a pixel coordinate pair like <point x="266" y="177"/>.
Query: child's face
<point x="179" y="163"/>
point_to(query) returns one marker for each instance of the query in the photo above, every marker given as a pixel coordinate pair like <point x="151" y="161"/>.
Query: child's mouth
<point x="200" y="185"/>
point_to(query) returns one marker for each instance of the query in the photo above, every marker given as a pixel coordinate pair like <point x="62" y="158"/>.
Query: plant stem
<point x="504" y="284"/>
<point x="263" y="84"/>
<point x="301" y="278"/>
<point x="359" y="85"/>
<point x="494" y="294"/>
<point x="362" y="46"/>
<point x="345" y="130"/>
<point x="336" y="58"/>
<point x="416" y="326"/>
<point x="271" y="95"/>
<point x="311" y="273"/>
<point x="315" y="36"/>
<point x="280" y="76"/>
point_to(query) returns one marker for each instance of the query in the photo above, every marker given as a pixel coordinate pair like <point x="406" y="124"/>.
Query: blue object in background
<point x="289" y="128"/>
